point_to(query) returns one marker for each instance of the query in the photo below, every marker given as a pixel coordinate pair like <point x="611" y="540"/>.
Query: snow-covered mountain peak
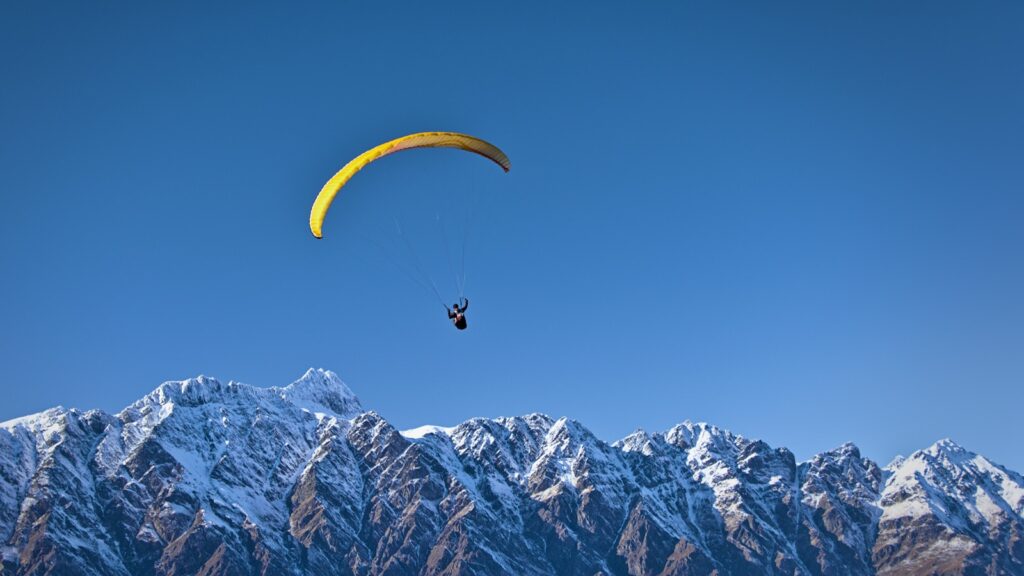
<point x="320" y="379"/>
<point x="320" y="390"/>
<point x="189" y="392"/>
<point x="896" y="462"/>
<point x="36" y="422"/>
<point x="945" y="459"/>
<point x="317" y="391"/>
<point x="842" y="455"/>
<point x="705" y="442"/>
<point x="636" y="441"/>
<point x="567" y="431"/>
<point x="535" y="420"/>
<point x="948" y="450"/>
<point x="953" y="487"/>
<point x="848" y="449"/>
<point x="421" y="431"/>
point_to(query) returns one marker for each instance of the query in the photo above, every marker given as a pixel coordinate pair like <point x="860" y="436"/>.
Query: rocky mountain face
<point x="200" y="477"/>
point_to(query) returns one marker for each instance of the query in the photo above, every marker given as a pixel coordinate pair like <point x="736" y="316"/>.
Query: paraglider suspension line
<point x="394" y="262"/>
<point x="465" y="241"/>
<point x="448" y="254"/>
<point x="418" y="264"/>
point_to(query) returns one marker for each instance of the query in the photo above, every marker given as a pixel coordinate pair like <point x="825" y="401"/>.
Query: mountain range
<point x="201" y="477"/>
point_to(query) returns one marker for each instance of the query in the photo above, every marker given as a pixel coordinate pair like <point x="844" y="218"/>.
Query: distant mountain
<point x="201" y="477"/>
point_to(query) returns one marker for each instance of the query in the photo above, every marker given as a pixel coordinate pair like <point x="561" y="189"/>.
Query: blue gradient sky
<point x="800" y="221"/>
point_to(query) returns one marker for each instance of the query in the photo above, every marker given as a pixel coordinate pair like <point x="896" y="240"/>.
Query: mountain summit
<point x="203" y="477"/>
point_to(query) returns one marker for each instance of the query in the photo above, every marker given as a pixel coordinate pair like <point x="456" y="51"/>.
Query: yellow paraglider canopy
<point x="419" y="140"/>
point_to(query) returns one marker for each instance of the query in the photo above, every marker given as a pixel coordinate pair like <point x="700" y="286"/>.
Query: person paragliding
<point x="330" y="190"/>
<point x="457" y="314"/>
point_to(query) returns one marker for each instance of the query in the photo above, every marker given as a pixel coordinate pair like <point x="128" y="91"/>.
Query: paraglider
<point x="330" y="190"/>
<point x="419" y="140"/>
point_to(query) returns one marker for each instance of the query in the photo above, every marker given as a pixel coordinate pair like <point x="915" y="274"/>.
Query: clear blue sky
<point x="801" y="221"/>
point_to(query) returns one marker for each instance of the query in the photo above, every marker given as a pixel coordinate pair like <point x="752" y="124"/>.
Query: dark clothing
<point x="460" y="321"/>
<point x="458" y="315"/>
